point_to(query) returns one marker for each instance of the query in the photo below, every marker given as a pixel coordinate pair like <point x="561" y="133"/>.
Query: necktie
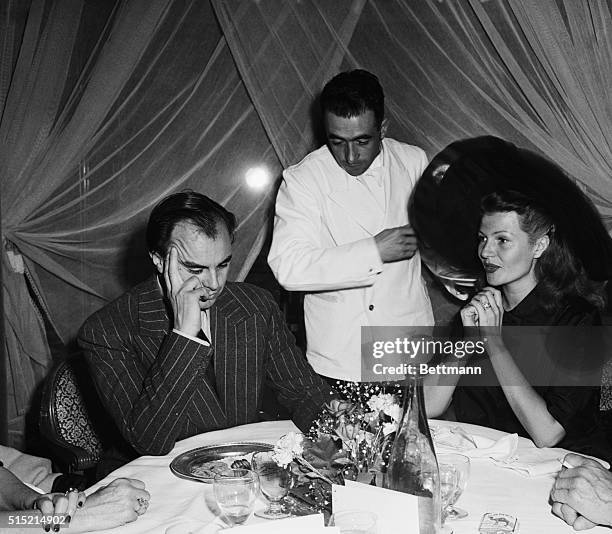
<point x="210" y="369"/>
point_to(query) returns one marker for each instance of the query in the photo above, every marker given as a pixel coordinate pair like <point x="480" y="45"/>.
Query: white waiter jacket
<point x="323" y="244"/>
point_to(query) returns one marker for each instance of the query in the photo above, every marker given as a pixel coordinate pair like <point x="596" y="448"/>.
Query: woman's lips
<point x="491" y="268"/>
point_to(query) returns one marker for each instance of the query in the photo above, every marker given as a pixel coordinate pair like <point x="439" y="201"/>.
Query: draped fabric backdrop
<point x="106" y="107"/>
<point x="92" y="138"/>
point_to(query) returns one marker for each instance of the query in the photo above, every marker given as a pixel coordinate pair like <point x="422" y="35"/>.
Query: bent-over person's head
<point x="190" y="236"/>
<point x="353" y="108"/>
<point x="186" y="207"/>
<point x="353" y="93"/>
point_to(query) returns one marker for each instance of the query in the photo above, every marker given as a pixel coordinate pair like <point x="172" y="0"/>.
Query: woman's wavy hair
<point x="559" y="272"/>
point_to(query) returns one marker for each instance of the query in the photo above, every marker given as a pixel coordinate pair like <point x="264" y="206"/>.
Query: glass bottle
<point x="413" y="467"/>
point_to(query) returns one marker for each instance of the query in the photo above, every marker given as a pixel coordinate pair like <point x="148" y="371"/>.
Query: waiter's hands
<point x="184" y="295"/>
<point x="396" y="244"/>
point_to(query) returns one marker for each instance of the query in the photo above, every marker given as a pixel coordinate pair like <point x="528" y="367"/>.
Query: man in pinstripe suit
<point x="185" y="352"/>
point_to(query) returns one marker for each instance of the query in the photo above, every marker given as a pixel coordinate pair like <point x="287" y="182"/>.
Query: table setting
<point x="503" y="479"/>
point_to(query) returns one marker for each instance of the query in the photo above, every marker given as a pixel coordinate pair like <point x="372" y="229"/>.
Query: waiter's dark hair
<point x="352" y="93"/>
<point x="190" y="207"/>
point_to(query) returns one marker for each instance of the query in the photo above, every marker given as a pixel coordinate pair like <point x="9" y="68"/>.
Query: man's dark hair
<point x="352" y="93"/>
<point x="190" y="207"/>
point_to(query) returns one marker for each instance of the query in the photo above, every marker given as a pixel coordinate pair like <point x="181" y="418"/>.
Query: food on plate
<point x="216" y="467"/>
<point x="209" y="469"/>
<point x="241" y="463"/>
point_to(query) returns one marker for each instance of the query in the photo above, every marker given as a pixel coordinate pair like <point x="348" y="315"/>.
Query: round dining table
<point x="181" y="506"/>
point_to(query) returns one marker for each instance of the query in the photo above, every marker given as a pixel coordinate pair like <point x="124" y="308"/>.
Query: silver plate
<point x="183" y="465"/>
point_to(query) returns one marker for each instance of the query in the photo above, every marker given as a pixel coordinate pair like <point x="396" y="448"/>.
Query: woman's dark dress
<point x="480" y="399"/>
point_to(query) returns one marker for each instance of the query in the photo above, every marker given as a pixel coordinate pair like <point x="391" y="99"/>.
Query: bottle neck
<point x="413" y="391"/>
<point x="413" y="412"/>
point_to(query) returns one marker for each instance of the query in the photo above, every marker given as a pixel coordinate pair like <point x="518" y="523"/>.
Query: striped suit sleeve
<point x="299" y="388"/>
<point x="150" y="403"/>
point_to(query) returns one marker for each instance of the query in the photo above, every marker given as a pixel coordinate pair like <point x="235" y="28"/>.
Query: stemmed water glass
<point x="448" y="487"/>
<point x="454" y="473"/>
<point x="235" y="492"/>
<point x="274" y="482"/>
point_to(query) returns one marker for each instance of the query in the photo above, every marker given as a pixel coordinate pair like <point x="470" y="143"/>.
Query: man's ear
<point x="541" y="245"/>
<point x="383" y="128"/>
<point x="157" y="261"/>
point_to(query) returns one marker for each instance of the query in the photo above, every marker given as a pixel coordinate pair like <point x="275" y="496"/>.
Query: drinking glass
<point x="235" y="492"/>
<point x="354" y="522"/>
<point x="460" y="464"/>
<point x="449" y="482"/>
<point x="274" y="482"/>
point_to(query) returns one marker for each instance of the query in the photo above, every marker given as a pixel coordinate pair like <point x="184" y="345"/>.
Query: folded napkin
<point x="533" y="469"/>
<point x="539" y="462"/>
<point x="528" y="462"/>
<point x="454" y="438"/>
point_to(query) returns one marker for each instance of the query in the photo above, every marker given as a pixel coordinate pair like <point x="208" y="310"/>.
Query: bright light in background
<point x="257" y="177"/>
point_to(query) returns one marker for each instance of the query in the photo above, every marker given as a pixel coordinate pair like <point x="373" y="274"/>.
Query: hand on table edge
<point x="582" y="493"/>
<point x="119" y="502"/>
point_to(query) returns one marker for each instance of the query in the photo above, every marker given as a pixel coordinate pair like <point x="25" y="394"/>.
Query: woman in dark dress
<point x="532" y="381"/>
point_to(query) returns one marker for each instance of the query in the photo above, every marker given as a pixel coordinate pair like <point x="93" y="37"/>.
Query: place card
<point x="396" y="512"/>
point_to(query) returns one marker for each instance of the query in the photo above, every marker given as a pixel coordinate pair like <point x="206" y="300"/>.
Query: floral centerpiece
<point x="351" y="439"/>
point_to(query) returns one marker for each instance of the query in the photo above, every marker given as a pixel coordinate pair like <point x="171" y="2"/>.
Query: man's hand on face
<point x="396" y="244"/>
<point x="184" y="296"/>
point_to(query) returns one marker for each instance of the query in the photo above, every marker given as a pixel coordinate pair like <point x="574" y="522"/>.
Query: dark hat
<point x="445" y="205"/>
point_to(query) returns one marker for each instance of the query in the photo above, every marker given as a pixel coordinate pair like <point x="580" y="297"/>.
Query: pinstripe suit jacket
<point x="153" y="381"/>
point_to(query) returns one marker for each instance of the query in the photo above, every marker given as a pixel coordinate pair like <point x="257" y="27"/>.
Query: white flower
<point x="282" y="457"/>
<point x="378" y="403"/>
<point x="292" y="441"/>
<point x="394" y="412"/>
<point x="287" y="448"/>
<point x="388" y="428"/>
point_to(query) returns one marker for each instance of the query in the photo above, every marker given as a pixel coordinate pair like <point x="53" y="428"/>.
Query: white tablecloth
<point x="181" y="506"/>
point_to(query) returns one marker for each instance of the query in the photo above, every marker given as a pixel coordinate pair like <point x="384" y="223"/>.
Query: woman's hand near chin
<point x="469" y="316"/>
<point x="485" y="310"/>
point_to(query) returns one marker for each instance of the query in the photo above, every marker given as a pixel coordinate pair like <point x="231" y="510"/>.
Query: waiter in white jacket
<point x="341" y="229"/>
